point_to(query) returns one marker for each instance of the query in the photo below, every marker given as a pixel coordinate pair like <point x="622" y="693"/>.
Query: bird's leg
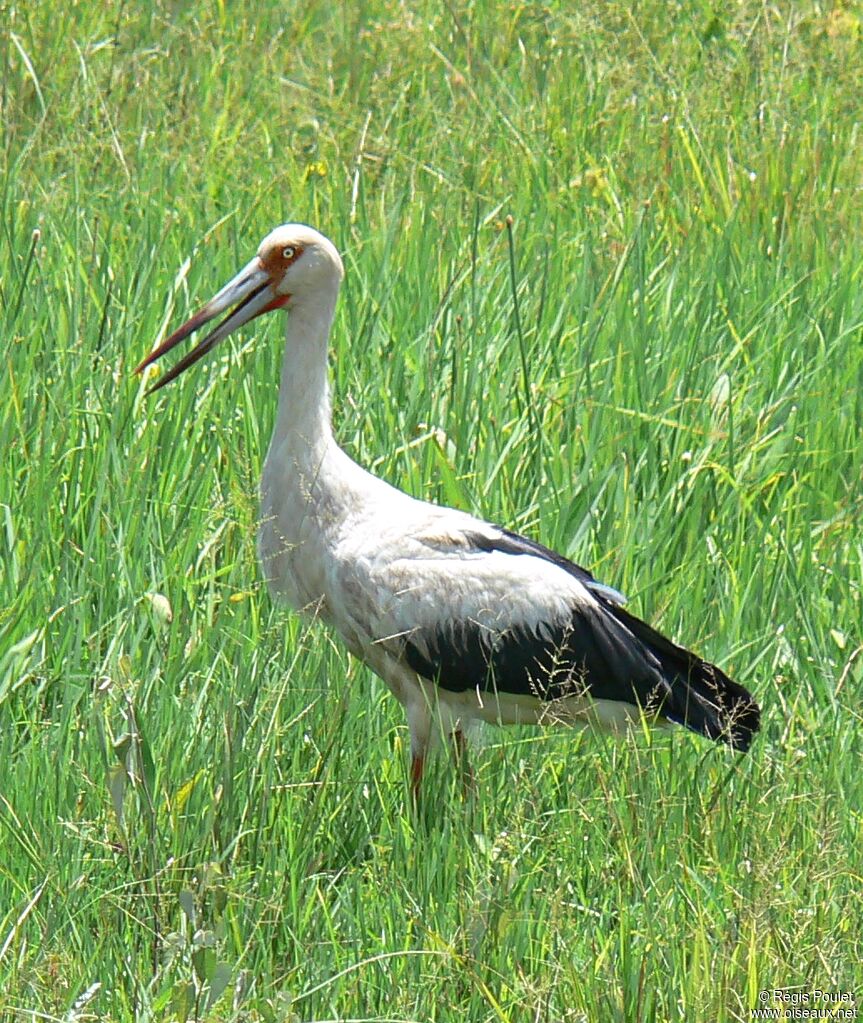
<point x="417" y="764"/>
<point x="463" y="762"/>
<point x="419" y="723"/>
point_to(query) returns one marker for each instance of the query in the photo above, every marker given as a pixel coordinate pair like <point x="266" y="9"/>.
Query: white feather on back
<point x="395" y="582"/>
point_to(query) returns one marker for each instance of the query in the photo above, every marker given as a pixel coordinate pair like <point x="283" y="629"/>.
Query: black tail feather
<point x="699" y="695"/>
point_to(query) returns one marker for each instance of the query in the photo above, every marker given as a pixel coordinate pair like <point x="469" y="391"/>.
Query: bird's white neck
<point x="303" y="421"/>
<point x="311" y="491"/>
<point x="309" y="487"/>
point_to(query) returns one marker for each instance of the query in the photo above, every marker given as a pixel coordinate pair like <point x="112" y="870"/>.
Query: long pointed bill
<point x="250" y="292"/>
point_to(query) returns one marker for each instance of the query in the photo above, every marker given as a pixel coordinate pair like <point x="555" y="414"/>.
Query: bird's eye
<point x="289" y="252"/>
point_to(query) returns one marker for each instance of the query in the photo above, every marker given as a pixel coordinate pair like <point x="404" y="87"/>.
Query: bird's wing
<point x="470" y="606"/>
<point x="499" y="539"/>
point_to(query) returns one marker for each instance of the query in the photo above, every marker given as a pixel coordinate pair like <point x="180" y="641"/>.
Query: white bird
<point x="463" y="620"/>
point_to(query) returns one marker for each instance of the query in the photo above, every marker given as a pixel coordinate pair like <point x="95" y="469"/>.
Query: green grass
<point x="658" y="371"/>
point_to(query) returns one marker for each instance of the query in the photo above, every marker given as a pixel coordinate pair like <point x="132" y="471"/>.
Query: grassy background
<point x="659" y="371"/>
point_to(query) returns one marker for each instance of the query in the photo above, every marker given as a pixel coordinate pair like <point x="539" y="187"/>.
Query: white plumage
<point x="462" y="620"/>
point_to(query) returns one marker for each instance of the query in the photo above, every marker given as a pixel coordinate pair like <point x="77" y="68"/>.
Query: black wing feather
<point x="601" y="651"/>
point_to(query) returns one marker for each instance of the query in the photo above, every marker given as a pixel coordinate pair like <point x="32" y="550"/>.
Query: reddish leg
<point x="417" y="764"/>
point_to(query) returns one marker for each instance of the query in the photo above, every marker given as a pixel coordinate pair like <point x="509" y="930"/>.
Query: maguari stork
<point x="463" y="620"/>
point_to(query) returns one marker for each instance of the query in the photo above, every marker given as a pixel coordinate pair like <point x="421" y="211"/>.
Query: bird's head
<point x="295" y="264"/>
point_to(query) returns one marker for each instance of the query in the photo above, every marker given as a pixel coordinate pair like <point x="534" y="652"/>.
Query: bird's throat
<point x="303" y="422"/>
